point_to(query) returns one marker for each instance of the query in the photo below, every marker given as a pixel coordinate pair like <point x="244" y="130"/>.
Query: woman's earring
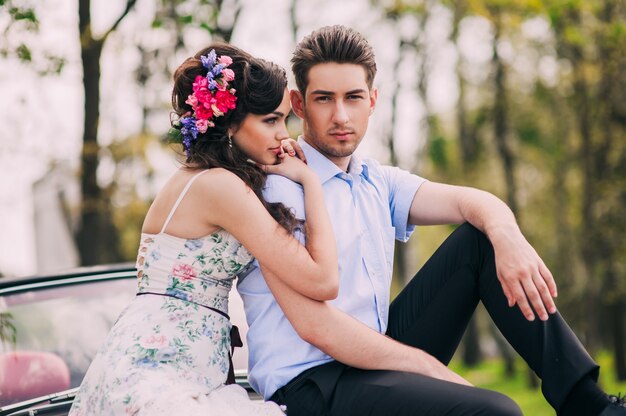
<point x="230" y="141"/>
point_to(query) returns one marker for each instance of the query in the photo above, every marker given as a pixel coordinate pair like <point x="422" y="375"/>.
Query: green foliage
<point x="437" y="152"/>
<point x="564" y="117"/>
<point x="23" y="53"/>
<point x="8" y="333"/>
<point x="23" y="14"/>
<point x="174" y="135"/>
<point x="23" y="19"/>
<point x="490" y="375"/>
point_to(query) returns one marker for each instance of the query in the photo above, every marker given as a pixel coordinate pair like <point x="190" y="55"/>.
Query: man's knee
<point x="471" y="237"/>
<point x="468" y="231"/>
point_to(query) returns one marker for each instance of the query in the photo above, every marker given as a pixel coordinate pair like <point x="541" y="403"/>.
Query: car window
<point x="57" y="328"/>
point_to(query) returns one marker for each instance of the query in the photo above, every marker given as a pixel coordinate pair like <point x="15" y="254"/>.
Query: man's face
<point x="335" y="109"/>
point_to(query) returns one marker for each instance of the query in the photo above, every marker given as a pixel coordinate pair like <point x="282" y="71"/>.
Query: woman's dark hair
<point x="260" y="87"/>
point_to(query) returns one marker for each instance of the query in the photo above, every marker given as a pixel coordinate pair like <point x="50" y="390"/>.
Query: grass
<point x="490" y="375"/>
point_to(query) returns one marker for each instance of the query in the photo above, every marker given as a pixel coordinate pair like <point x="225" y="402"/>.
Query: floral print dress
<point x="168" y="352"/>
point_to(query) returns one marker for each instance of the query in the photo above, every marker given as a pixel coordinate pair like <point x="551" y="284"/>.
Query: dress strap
<point x="180" y="198"/>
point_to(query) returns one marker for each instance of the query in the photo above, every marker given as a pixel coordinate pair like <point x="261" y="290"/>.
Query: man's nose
<point x="340" y="115"/>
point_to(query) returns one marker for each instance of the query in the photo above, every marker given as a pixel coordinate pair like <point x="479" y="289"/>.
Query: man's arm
<point x="522" y="273"/>
<point x="350" y="341"/>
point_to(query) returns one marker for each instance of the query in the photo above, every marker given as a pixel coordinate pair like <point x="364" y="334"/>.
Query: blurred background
<point x="524" y="98"/>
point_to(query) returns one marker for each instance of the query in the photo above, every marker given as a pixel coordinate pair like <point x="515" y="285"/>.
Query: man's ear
<point x="373" y="99"/>
<point x="297" y="103"/>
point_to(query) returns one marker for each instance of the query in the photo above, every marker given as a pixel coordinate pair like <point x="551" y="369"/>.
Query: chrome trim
<point x="67" y="281"/>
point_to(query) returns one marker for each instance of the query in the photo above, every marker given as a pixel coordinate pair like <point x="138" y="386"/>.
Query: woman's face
<point x="259" y="136"/>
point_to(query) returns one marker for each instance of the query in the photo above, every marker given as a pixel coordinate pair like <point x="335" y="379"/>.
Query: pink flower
<point x="225" y="101"/>
<point x="203" y="96"/>
<point x="192" y="100"/>
<point x="228" y="74"/>
<point x="222" y="85"/>
<point x="200" y="83"/>
<point x="202" y="125"/>
<point x="184" y="271"/>
<point x="203" y="113"/>
<point x="153" y="341"/>
<point x="225" y="59"/>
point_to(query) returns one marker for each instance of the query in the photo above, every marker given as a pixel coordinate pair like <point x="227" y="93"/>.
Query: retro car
<point x="52" y="326"/>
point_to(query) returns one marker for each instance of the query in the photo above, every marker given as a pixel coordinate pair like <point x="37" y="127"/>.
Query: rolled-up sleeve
<point x="402" y="188"/>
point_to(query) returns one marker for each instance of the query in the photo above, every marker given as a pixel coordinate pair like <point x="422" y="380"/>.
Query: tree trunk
<point x="97" y="237"/>
<point x="610" y="172"/>
<point x="500" y="121"/>
<point x="400" y="250"/>
<point x="467" y="141"/>
<point x="472" y="355"/>
<point x="95" y="211"/>
<point x="293" y="19"/>
<point x="506" y="351"/>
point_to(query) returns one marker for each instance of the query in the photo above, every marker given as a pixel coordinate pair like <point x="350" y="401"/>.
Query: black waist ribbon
<point x="235" y="337"/>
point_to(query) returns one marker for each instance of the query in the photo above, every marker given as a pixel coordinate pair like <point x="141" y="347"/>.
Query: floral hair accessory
<point x="211" y="98"/>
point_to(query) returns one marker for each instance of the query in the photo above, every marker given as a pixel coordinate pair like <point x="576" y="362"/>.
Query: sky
<point x="42" y="115"/>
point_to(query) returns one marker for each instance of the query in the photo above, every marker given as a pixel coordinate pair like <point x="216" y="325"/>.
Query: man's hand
<point x="524" y="276"/>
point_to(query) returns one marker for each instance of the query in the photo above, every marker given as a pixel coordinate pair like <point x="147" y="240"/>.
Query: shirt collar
<point x="326" y="169"/>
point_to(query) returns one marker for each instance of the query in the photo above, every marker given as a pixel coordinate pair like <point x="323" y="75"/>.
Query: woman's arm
<point x="311" y="270"/>
<point x="350" y="341"/>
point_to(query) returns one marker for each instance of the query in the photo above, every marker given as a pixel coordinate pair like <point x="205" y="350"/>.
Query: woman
<point x="168" y="353"/>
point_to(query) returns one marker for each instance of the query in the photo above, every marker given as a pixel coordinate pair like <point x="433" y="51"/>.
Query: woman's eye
<point x="271" y="121"/>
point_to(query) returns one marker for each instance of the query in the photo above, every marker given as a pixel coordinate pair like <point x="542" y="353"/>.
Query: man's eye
<point x="322" y="99"/>
<point x="355" y="97"/>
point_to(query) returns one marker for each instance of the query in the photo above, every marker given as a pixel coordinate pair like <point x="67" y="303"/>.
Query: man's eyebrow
<point x="357" y="91"/>
<point x="324" y="92"/>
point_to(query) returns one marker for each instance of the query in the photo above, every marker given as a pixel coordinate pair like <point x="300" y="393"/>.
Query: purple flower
<point x="209" y="60"/>
<point x="207" y="332"/>
<point x="217" y="69"/>
<point x="192" y="245"/>
<point x="179" y="294"/>
<point x="146" y="362"/>
<point x="189" y="132"/>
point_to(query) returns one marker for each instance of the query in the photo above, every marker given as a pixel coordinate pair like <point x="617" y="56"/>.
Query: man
<point x="359" y="355"/>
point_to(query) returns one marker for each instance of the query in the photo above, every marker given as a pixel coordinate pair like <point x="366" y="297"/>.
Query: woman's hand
<point x="292" y="148"/>
<point x="291" y="163"/>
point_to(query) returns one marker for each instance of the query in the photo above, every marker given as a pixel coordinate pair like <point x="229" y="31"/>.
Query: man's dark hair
<point x="339" y="44"/>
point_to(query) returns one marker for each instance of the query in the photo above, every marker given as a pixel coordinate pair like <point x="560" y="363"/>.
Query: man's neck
<point x="341" y="162"/>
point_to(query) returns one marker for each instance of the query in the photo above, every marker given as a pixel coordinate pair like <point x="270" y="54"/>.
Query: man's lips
<point x="342" y="135"/>
<point x="276" y="150"/>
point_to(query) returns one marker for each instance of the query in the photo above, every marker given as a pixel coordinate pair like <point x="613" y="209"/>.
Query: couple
<point x="323" y="338"/>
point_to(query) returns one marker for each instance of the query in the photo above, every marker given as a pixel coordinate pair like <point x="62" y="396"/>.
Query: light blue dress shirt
<point x="369" y="208"/>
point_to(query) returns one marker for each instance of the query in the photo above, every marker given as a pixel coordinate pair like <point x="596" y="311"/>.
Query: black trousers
<point x="431" y="313"/>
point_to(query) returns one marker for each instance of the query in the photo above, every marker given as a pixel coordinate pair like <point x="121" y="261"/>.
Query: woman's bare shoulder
<point x="221" y="180"/>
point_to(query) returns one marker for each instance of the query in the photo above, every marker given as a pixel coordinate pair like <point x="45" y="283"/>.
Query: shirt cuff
<point x="406" y="193"/>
